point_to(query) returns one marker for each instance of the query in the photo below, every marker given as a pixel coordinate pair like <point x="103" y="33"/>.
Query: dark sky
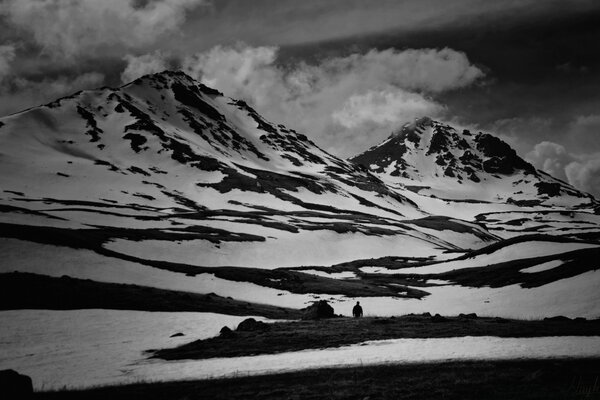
<point x="346" y="72"/>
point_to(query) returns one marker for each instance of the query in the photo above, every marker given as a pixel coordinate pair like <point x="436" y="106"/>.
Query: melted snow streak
<point x="100" y="347"/>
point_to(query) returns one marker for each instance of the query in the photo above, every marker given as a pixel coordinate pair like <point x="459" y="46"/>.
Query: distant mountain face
<point x="182" y="164"/>
<point x="165" y="140"/>
<point x="438" y="159"/>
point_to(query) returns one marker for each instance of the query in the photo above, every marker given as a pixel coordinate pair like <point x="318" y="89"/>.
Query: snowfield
<point x="318" y="248"/>
<point x="91" y="347"/>
<point x="85" y="348"/>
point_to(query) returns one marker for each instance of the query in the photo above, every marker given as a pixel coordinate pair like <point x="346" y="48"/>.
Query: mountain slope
<point x="170" y="169"/>
<point x="167" y="183"/>
<point x="439" y="160"/>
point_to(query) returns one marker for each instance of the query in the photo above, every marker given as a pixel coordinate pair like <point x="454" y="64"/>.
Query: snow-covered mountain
<point x="436" y="159"/>
<point x="167" y="183"/>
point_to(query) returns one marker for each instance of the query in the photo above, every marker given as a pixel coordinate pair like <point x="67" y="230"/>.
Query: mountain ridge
<point x="436" y="155"/>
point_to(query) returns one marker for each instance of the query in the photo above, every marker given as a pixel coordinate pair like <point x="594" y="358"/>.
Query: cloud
<point x="585" y="174"/>
<point x="138" y="66"/>
<point x="70" y="28"/>
<point x="21" y="93"/>
<point x="580" y="170"/>
<point x="550" y="157"/>
<point x="383" y="108"/>
<point x="344" y="103"/>
<point x="7" y="55"/>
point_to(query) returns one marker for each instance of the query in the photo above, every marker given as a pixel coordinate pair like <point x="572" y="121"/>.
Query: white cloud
<point x="580" y="170"/>
<point x="585" y="174"/>
<point x="138" y="66"/>
<point x="7" y="55"/>
<point x="550" y="157"/>
<point x="67" y="28"/>
<point x="324" y="99"/>
<point x="383" y="108"/>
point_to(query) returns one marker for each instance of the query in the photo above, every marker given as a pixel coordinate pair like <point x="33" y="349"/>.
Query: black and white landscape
<point x="139" y="219"/>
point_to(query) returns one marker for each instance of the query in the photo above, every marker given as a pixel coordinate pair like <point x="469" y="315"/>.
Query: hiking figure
<point x="357" y="310"/>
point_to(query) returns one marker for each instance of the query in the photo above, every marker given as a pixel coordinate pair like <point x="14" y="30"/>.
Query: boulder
<point x="252" y="325"/>
<point x="178" y="334"/>
<point x="14" y="386"/>
<point x="226" y="332"/>
<point x="558" y="318"/>
<point x="438" y="318"/>
<point x="318" y="310"/>
<point x="468" y="316"/>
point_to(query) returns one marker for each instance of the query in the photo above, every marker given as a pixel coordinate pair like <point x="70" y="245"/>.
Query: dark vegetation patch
<point x="4" y="208"/>
<point x="180" y="199"/>
<point x="157" y="170"/>
<point x="137" y="170"/>
<point x="551" y="189"/>
<point x="111" y="167"/>
<point x="86" y="203"/>
<point x="93" y="131"/>
<point x="317" y="334"/>
<point x="557" y="379"/>
<point x="524" y="203"/>
<point x="32" y="291"/>
<point x="137" y="141"/>
<point x="439" y="223"/>
<point x="14" y="192"/>
<point x="144" y="196"/>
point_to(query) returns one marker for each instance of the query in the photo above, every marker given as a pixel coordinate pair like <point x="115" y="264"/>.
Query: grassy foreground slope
<point x="32" y="291"/>
<point x="500" y="380"/>
<point x="300" y="335"/>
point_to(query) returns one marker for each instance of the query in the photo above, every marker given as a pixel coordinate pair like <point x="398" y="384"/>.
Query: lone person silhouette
<point x="357" y="310"/>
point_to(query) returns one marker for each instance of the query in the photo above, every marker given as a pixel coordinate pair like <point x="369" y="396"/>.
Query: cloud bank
<point x="7" y="54"/>
<point x="72" y="28"/>
<point x="138" y="66"/>
<point x="580" y="170"/>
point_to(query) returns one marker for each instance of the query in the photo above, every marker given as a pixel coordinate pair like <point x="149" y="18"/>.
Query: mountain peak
<point x="169" y="79"/>
<point x="449" y="161"/>
<point x="413" y="127"/>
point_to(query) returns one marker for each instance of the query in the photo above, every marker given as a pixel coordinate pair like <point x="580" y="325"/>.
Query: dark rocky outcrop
<point x="318" y="310"/>
<point x="252" y="325"/>
<point x="226" y="332"/>
<point x="14" y="386"/>
<point x="438" y="318"/>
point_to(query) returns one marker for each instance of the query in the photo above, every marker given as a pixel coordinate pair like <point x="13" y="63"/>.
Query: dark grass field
<point x="20" y="290"/>
<point x="495" y="380"/>
<point x="315" y="334"/>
